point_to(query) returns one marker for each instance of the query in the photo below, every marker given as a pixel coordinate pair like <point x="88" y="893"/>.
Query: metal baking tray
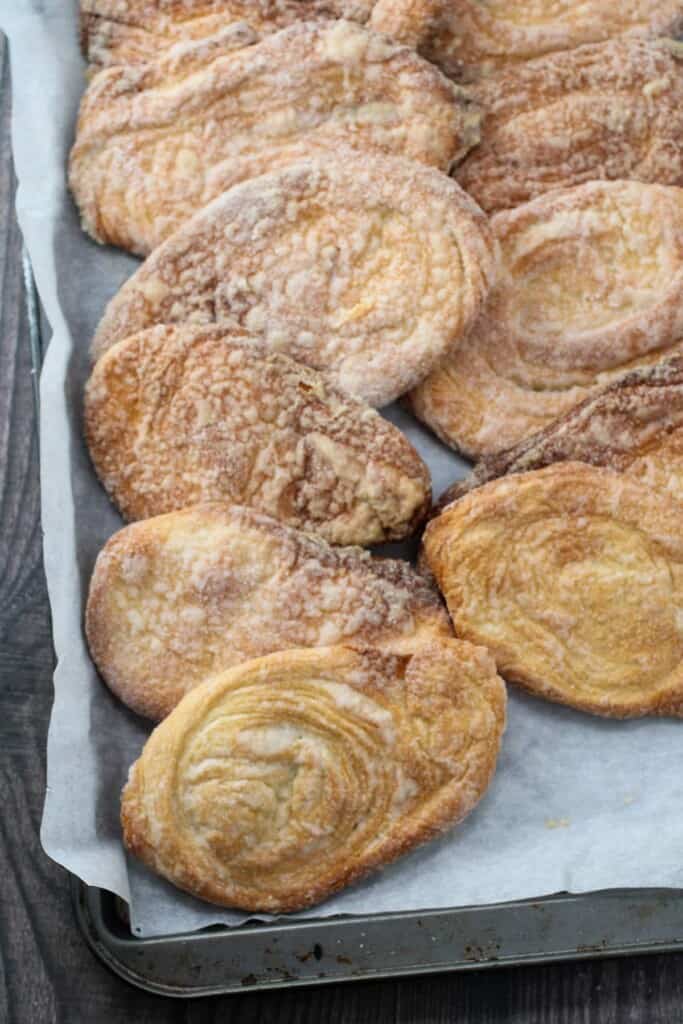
<point x="258" y="956"/>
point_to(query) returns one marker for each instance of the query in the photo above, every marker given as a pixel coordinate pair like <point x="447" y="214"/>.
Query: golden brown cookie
<point x="572" y="576"/>
<point x="285" y="779"/>
<point x="634" y="426"/>
<point x="468" y="38"/>
<point x="590" y="286"/>
<point x="137" y="31"/>
<point x="367" y="266"/>
<point x="156" y="142"/>
<point x="612" y="110"/>
<point x="178" y="415"/>
<point x="180" y="597"/>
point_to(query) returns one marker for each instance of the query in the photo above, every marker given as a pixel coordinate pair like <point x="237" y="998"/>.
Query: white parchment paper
<point x="577" y="804"/>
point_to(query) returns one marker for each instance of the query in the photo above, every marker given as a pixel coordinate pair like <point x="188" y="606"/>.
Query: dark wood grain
<point x="47" y="974"/>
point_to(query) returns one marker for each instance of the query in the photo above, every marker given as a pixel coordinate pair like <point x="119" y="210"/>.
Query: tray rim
<point x="119" y="952"/>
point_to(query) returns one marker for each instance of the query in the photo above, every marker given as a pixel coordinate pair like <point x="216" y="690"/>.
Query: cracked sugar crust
<point x="281" y="781"/>
<point x="612" y="110"/>
<point x="370" y="267"/>
<point x="134" y="31"/>
<point x="590" y="286"/>
<point x="572" y="576"/>
<point x="156" y="142"/>
<point x="470" y="39"/>
<point x="183" y="596"/>
<point x="179" y="415"/>
<point x="634" y="426"/>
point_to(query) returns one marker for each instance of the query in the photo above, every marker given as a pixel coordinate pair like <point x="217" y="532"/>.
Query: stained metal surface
<point x="269" y="956"/>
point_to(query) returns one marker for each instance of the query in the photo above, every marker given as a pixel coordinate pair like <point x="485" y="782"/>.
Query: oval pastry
<point x="180" y="597"/>
<point x="634" y="426"/>
<point x="470" y="37"/>
<point x="134" y="32"/>
<point x="367" y="266"/>
<point x="590" y="286"/>
<point x="155" y="143"/>
<point x="572" y="576"/>
<point x="175" y="416"/>
<point x="283" y="780"/>
<point x="613" y="110"/>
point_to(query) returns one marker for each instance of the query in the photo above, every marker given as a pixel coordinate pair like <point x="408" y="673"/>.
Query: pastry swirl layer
<point x="289" y="777"/>
<point x="590" y="286"/>
<point x="572" y="576"/>
<point x="633" y="426"/>
<point x="138" y="31"/>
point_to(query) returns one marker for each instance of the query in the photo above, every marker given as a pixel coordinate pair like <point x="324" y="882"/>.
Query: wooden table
<point x="47" y="974"/>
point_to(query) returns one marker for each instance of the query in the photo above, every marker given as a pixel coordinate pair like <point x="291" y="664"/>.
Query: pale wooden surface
<point x="47" y="974"/>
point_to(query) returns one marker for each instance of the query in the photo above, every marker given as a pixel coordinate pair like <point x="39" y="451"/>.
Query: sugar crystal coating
<point x="178" y="415"/>
<point x="156" y="142"/>
<point x="182" y="596"/>
<point x="370" y="267"/>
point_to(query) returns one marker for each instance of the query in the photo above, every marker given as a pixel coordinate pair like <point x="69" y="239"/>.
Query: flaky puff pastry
<point x="182" y="596"/>
<point x="471" y="38"/>
<point x="612" y="110"/>
<point x="178" y="415"/>
<point x="370" y="267"/>
<point x="285" y="779"/>
<point x="633" y="426"/>
<point x="137" y="31"/>
<point x="590" y="285"/>
<point x="156" y="142"/>
<point x="572" y="576"/>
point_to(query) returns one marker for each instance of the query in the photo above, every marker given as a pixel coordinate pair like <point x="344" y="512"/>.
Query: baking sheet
<point x="578" y="804"/>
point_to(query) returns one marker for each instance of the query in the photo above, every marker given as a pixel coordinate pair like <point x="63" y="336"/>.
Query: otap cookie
<point x="156" y="142"/>
<point x="613" y="110"/>
<point x="178" y="415"/>
<point x="288" y="778"/>
<point x="139" y="31"/>
<point x="470" y="39"/>
<point x="590" y="286"/>
<point x="183" y="596"/>
<point x="370" y="267"/>
<point x="572" y="576"/>
<point x="634" y="426"/>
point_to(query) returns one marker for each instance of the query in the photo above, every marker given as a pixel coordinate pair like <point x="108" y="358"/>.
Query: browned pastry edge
<point x="570" y="437"/>
<point x="447" y="33"/>
<point x="146" y="31"/>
